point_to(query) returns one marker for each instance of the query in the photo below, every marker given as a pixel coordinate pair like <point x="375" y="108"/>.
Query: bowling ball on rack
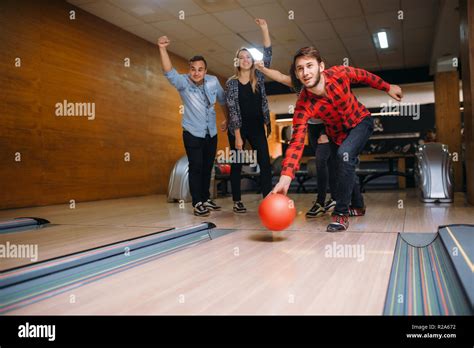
<point x="223" y="169"/>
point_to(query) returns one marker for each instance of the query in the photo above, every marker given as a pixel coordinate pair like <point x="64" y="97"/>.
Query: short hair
<point x="197" y="59"/>
<point x="308" y="51"/>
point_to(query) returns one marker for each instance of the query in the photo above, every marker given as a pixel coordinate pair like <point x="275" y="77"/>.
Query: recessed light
<point x="382" y="36"/>
<point x="256" y="54"/>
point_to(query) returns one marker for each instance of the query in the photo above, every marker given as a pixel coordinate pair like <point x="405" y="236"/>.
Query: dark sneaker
<point x="339" y="223"/>
<point x="356" y="211"/>
<point x="209" y="204"/>
<point x="329" y="205"/>
<point x="316" y="211"/>
<point x="239" y="207"/>
<point x="201" y="210"/>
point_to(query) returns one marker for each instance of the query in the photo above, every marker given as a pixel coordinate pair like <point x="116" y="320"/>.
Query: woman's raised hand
<point x="262" y="23"/>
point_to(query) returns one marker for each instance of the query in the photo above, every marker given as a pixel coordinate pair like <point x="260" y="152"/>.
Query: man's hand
<point x="239" y="143"/>
<point x="262" y="23"/>
<point x="224" y="126"/>
<point x="395" y="92"/>
<point x="163" y="42"/>
<point x="283" y="185"/>
<point x="269" y="130"/>
<point x="323" y="139"/>
<point x="259" y="65"/>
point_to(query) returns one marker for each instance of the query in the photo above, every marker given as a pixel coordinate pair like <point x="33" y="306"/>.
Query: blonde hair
<point x="253" y="75"/>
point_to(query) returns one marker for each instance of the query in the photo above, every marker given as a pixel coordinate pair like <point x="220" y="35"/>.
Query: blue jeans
<point x="347" y="159"/>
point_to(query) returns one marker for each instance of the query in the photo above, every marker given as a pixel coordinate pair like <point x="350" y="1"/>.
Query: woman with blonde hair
<point x="248" y="113"/>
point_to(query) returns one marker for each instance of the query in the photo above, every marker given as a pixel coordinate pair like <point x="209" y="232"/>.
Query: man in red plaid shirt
<point x="327" y="95"/>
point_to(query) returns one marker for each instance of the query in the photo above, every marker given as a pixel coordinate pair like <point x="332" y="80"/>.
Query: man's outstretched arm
<point x="177" y="80"/>
<point x="363" y="76"/>
<point x="294" y="152"/>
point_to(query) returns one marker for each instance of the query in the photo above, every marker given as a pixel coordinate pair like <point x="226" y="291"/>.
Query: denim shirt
<point x="232" y="96"/>
<point x="199" y="116"/>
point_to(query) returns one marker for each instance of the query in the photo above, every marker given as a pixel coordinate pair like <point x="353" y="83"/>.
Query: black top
<point x="251" y="109"/>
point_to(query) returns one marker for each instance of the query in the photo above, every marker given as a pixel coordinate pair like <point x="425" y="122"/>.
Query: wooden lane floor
<point x="89" y="225"/>
<point x="387" y="211"/>
<point x="59" y="240"/>
<point x="145" y="211"/>
<point x="93" y="224"/>
<point x="246" y="272"/>
<point x="422" y="217"/>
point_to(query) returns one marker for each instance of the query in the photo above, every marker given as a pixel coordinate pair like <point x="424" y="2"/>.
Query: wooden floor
<point x="245" y="272"/>
<point x="249" y="271"/>
<point x="93" y="224"/>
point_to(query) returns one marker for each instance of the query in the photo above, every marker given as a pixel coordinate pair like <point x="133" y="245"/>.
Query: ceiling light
<point x="256" y="54"/>
<point x="382" y="36"/>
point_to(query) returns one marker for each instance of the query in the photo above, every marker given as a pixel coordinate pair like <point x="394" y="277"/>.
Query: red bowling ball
<point x="277" y="212"/>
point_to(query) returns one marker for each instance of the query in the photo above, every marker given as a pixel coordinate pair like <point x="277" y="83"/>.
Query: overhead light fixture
<point x="256" y="54"/>
<point x="382" y="36"/>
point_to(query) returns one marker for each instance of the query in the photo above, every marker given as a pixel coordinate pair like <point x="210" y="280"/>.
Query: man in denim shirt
<point x="199" y="93"/>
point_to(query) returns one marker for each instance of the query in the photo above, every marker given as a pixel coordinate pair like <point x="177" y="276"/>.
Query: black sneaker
<point x="316" y="211"/>
<point x="239" y="207"/>
<point x="329" y="205"/>
<point x="339" y="223"/>
<point x="201" y="210"/>
<point x="209" y="204"/>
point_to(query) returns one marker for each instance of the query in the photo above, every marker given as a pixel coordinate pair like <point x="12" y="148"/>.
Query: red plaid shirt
<point x="340" y="110"/>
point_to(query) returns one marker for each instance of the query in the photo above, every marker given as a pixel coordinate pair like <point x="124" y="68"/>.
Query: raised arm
<point x="274" y="74"/>
<point x="363" y="76"/>
<point x="163" y="42"/>
<point x="177" y="80"/>
<point x="262" y="23"/>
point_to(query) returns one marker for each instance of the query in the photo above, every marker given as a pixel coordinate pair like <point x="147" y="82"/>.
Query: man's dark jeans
<point x="201" y="153"/>
<point x="347" y="159"/>
<point x="325" y="163"/>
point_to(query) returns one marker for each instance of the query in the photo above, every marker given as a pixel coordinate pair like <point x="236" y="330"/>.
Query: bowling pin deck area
<point x="240" y="268"/>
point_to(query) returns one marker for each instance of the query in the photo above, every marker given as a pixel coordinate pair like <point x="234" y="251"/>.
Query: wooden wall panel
<point x="63" y="158"/>
<point x="448" y="118"/>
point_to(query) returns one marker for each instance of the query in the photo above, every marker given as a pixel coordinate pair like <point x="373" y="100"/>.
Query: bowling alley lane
<point x="245" y="272"/>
